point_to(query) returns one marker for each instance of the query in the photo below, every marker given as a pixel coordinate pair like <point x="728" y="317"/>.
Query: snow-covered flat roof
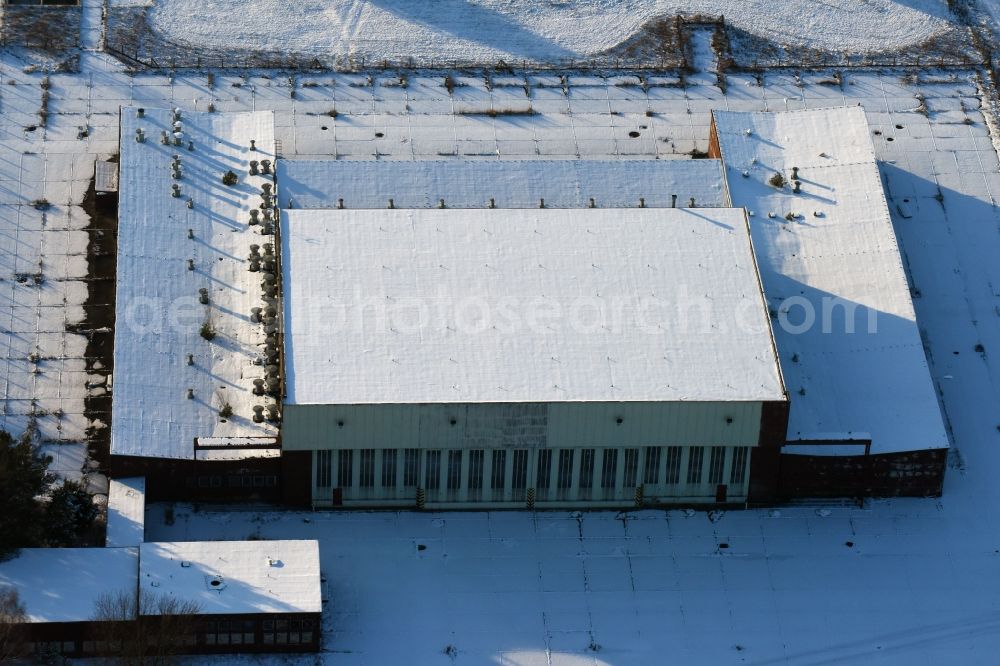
<point x="510" y="183"/>
<point x="225" y="577"/>
<point x="126" y="512"/>
<point x="426" y="306"/>
<point x="64" y="584"/>
<point x="236" y="448"/>
<point x="838" y="260"/>
<point x="159" y="317"/>
<point x="236" y="454"/>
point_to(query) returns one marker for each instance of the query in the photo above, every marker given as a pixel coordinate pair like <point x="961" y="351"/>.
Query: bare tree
<point x="12" y="617"/>
<point x="145" y="629"/>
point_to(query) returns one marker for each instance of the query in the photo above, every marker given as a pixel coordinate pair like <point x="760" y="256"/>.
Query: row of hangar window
<point x="435" y="469"/>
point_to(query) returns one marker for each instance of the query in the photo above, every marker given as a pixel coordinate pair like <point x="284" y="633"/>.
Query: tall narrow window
<point x="716" y="464"/>
<point x="609" y="471"/>
<point x="367" y="472"/>
<point x="476" y="469"/>
<point x="324" y="461"/>
<point x="586" y="469"/>
<point x="673" y="465"/>
<point x="565" y="471"/>
<point x="433" y="470"/>
<point x="411" y="467"/>
<point x="345" y="471"/>
<point x="454" y="470"/>
<point x="519" y="478"/>
<point x="695" y="457"/>
<point x="544" y="471"/>
<point x="651" y="470"/>
<point x="499" y="471"/>
<point x="388" y="468"/>
<point x="631" y="468"/>
<point x="738" y="471"/>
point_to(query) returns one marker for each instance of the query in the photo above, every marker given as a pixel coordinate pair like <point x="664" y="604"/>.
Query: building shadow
<point x="465" y="20"/>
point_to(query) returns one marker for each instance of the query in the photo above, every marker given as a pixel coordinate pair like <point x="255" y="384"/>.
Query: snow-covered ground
<point x="910" y="582"/>
<point x="488" y="30"/>
<point x="918" y="585"/>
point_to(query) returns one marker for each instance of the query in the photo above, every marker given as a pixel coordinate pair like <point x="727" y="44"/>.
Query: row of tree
<point x="138" y="629"/>
<point x="38" y="510"/>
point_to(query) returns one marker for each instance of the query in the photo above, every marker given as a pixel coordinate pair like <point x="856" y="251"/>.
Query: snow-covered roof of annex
<point x="838" y="260"/>
<point x="555" y="305"/>
<point x="158" y="313"/>
<point x="64" y="584"/>
<point x="233" y="577"/>
<point x="510" y="183"/>
<point x="126" y="512"/>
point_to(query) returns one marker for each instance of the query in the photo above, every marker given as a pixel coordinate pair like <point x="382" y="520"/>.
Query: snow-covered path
<point x="92" y="24"/>
<point x="488" y="30"/>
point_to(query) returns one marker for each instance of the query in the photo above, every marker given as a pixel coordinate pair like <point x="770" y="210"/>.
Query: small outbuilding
<point x="251" y="596"/>
<point x="60" y="589"/>
<point x="126" y="512"/>
<point x="865" y="418"/>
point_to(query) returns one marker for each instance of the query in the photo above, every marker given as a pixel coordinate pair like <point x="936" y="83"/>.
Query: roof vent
<point x="215" y="583"/>
<point x="185" y="564"/>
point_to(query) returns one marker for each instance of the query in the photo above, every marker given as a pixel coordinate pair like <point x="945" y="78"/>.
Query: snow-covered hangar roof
<point x="233" y="577"/>
<point x="511" y="184"/>
<point x="840" y="252"/>
<point x="426" y="306"/>
<point x="158" y="316"/>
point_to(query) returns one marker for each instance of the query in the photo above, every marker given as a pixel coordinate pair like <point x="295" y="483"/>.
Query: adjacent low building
<point x="318" y="184"/>
<point x="61" y="589"/>
<point x="235" y="596"/>
<point x="865" y="418"/>
<point x="251" y="596"/>
<point x="185" y="355"/>
<point x="126" y="518"/>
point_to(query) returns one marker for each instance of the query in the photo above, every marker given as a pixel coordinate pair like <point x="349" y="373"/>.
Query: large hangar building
<point x="547" y="357"/>
<point x="537" y="333"/>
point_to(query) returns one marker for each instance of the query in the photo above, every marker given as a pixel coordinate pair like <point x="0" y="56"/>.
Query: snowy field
<point x="517" y="30"/>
